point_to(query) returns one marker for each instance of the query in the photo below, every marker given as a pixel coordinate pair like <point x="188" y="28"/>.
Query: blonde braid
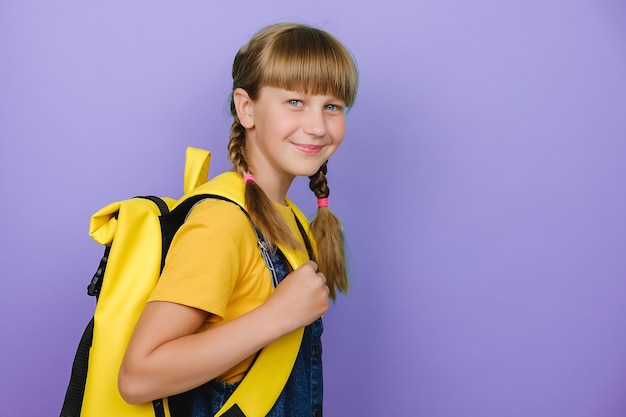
<point x="236" y="146"/>
<point x="261" y="209"/>
<point x="329" y="237"/>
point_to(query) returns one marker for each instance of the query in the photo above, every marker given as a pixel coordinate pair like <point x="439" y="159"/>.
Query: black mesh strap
<point x="76" y="389"/>
<point x="234" y="411"/>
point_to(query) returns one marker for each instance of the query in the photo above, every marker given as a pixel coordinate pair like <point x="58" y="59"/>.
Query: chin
<point x="307" y="171"/>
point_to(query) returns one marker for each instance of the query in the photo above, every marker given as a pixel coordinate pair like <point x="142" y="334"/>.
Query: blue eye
<point x="334" y="107"/>
<point x="295" y="103"/>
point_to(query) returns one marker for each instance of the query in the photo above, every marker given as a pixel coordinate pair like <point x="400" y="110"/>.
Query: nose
<point x="314" y="123"/>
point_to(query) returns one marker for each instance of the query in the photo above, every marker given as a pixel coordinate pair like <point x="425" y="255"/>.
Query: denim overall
<point x="303" y="393"/>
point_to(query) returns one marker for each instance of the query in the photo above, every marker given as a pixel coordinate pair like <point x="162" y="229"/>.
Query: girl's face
<point x="290" y="133"/>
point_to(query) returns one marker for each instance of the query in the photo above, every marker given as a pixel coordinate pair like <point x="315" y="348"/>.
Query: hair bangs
<point x="312" y="62"/>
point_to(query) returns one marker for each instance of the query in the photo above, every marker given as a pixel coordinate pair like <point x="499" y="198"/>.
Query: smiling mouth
<point x="308" y="149"/>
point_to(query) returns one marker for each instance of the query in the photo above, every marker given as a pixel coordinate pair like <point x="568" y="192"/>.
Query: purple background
<point x="482" y="186"/>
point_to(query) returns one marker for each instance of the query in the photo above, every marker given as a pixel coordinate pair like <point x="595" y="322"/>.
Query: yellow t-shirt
<point x="214" y="264"/>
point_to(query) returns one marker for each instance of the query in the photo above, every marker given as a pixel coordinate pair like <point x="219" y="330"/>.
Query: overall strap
<point x="305" y="237"/>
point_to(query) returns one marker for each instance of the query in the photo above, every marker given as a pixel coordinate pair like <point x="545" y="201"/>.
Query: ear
<point x="244" y="107"/>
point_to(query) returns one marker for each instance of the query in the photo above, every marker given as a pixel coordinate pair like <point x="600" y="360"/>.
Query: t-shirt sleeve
<point x="202" y="265"/>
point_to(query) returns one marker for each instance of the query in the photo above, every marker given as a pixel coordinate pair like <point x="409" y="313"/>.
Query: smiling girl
<point x="215" y="305"/>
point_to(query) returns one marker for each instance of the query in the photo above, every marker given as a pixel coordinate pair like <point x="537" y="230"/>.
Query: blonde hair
<point x="300" y="58"/>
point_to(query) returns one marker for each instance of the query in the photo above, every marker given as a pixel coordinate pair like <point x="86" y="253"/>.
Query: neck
<point x="274" y="186"/>
<point x="274" y="182"/>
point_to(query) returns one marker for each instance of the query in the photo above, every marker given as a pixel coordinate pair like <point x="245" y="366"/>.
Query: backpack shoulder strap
<point x="274" y="363"/>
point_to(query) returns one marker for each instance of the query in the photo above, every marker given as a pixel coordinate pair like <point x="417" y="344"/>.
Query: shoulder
<point x="213" y="207"/>
<point x="219" y="216"/>
<point x="214" y="229"/>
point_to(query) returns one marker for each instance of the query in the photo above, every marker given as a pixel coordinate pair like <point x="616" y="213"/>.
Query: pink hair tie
<point x="248" y="177"/>
<point x="322" y="202"/>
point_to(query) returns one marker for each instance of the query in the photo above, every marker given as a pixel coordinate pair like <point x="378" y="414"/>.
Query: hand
<point x="302" y="297"/>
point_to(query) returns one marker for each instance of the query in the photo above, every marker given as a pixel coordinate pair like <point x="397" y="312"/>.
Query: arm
<point x="166" y="356"/>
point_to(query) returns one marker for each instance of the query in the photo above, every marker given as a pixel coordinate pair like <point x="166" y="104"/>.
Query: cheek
<point x="338" y="131"/>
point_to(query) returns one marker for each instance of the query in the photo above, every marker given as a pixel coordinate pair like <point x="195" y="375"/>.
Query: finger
<point x="322" y="276"/>
<point x="313" y="265"/>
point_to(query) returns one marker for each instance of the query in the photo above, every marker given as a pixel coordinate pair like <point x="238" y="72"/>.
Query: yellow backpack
<point x="136" y="240"/>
